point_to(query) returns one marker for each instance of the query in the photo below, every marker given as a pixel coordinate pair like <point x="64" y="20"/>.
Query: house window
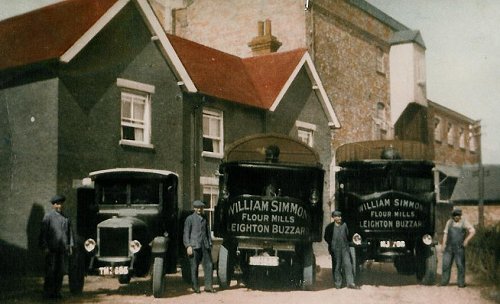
<point x="213" y="133"/>
<point x="437" y="129"/>
<point x="450" y="134"/>
<point x="210" y="197"/>
<point x="135" y="113"/>
<point x="380" y="61"/>
<point x="305" y="132"/>
<point x="461" y="138"/>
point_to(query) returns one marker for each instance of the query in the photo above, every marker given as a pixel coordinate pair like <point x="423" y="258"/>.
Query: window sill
<point x="212" y="155"/>
<point x="131" y="143"/>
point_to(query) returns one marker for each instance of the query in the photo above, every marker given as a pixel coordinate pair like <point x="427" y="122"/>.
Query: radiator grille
<point x="113" y="242"/>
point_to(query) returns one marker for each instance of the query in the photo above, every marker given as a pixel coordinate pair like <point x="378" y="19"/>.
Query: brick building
<point x="372" y="66"/>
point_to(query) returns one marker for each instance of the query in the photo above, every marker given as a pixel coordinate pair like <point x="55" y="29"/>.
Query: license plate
<point x="392" y="244"/>
<point x="110" y="270"/>
<point x="264" y="261"/>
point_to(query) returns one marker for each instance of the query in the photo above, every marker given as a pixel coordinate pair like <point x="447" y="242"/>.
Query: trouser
<point x="54" y="272"/>
<point x="341" y="262"/>
<point x="204" y="256"/>
<point x="450" y="254"/>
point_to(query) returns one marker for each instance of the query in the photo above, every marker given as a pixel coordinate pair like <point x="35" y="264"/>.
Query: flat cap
<point x="336" y="213"/>
<point x="57" y="199"/>
<point x="456" y="212"/>
<point x="198" y="204"/>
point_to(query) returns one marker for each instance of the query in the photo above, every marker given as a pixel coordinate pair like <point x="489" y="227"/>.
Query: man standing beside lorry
<point x="56" y="240"/>
<point x="336" y="236"/>
<point x="198" y="243"/>
<point x="457" y="234"/>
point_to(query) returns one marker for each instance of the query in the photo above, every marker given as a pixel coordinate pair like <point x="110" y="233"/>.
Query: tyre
<point x="124" y="279"/>
<point x="355" y="264"/>
<point x="405" y="265"/>
<point x="76" y="273"/>
<point x="186" y="270"/>
<point x="426" y="265"/>
<point x="158" y="278"/>
<point x="225" y="267"/>
<point x="309" y="268"/>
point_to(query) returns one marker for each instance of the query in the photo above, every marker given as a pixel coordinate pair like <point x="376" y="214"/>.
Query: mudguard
<point x="159" y="244"/>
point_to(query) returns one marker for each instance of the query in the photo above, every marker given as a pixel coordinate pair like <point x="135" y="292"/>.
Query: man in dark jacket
<point x="336" y="236"/>
<point x="56" y="240"/>
<point x="198" y="243"/>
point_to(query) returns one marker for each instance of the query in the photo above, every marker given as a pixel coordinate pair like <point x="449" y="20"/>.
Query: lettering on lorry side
<point x="255" y="215"/>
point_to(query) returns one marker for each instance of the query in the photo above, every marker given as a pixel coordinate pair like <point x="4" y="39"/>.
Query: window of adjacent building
<point x="213" y="133"/>
<point x="461" y="138"/>
<point x="381" y="111"/>
<point x="305" y="132"/>
<point x="450" y="134"/>
<point x="437" y="129"/>
<point x="210" y="197"/>
<point x="380" y="61"/>
<point x="135" y="112"/>
<point x="472" y="142"/>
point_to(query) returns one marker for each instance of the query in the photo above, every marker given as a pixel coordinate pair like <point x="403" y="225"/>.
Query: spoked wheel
<point x="225" y="267"/>
<point x="158" y="278"/>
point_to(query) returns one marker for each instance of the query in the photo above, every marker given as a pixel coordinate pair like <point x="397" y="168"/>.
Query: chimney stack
<point x="264" y="42"/>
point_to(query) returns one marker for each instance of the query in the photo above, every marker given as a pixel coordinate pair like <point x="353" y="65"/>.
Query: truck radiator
<point x="113" y="242"/>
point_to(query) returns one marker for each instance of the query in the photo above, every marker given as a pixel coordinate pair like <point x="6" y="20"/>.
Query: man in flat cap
<point x="337" y="238"/>
<point x="198" y="242"/>
<point x="457" y="234"/>
<point x="56" y="239"/>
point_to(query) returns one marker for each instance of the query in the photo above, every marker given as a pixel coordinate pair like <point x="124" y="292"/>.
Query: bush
<point x="483" y="253"/>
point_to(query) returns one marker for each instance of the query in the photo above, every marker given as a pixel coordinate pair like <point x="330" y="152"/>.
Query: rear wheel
<point x="158" y="278"/>
<point x="225" y="268"/>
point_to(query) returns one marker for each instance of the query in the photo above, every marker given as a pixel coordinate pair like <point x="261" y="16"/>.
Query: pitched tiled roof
<point x="254" y="81"/>
<point x="46" y="33"/>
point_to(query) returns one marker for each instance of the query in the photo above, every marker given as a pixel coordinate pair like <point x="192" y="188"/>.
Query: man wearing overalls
<point x="457" y="234"/>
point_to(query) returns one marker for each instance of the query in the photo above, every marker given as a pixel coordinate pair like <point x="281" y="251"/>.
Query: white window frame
<point x="218" y="139"/>
<point x="210" y="186"/>
<point x="137" y="92"/>
<point x="305" y="132"/>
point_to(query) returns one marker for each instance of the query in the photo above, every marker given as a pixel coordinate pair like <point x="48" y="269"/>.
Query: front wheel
<point x="225" y="267"/>
<point x="426" y="265"/>
<point x="124" y="279"/>
<point x="355" y="264"/>
<point x="309" y="269"/>
<point x="76" y="273"/>
<point x="158" y="277"/>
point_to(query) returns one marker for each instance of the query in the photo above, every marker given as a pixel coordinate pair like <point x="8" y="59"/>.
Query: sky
<point x="462" y="55"/>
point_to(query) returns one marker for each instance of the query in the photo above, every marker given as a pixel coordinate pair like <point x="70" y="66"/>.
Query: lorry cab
<point x="270" y="209"/>
<point x="126" y="223"/>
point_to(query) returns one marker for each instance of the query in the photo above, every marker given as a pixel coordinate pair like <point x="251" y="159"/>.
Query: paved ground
<point x="381" y="284"/>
